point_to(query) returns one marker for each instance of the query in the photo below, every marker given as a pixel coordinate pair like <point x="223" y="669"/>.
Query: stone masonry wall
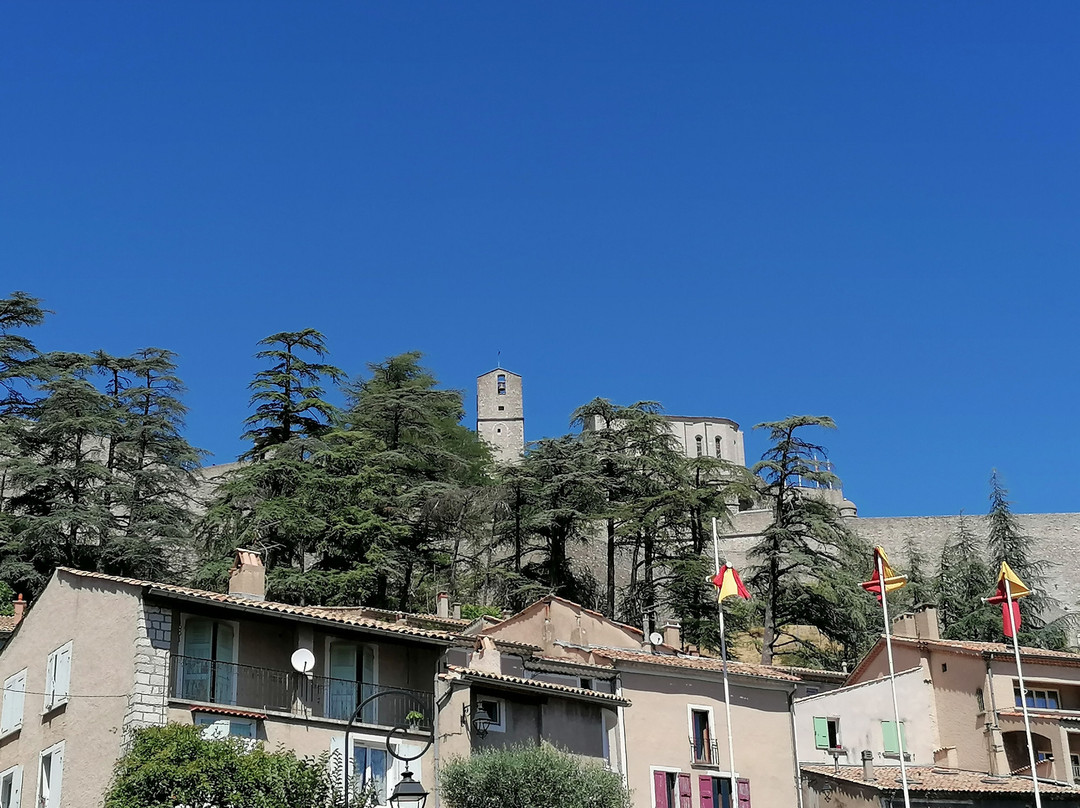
<point x="147" y="704"/>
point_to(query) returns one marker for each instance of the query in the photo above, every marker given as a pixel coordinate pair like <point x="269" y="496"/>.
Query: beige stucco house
<point x="98" y="656"/>
<point x="671" y="741"/>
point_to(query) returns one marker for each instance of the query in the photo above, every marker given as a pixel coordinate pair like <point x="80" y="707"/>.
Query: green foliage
<point x="963" y="580"/>
<point x="174" y="765"/>
<point x="807" y="564"/>
<point x="530" y="777"/>
<point x="471" y="611"/>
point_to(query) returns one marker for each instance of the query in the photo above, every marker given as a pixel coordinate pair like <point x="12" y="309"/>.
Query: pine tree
<point x="963" y="580"/>
<point x="803" y="564"/>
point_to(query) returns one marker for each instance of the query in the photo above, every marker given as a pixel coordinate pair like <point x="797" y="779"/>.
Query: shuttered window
<point x="891" y="743"/>
<point x="743" y="789"/>
<point x="58" y="677"/>
<point x="686" y="798"/>
<point x="827" y="733"/>
<point x="11" y="787"/>
<point x="11" y="712"/>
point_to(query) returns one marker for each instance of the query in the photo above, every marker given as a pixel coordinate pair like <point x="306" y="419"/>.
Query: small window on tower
<point x="700" y="445"/>
<point x="719" y="443"/>
<point x="498" y="430"/>
<point x="501" y="408"/>
<point x="501" y="381"/>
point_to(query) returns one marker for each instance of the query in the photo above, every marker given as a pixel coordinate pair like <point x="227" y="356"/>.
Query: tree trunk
<point x="610" y="568"/>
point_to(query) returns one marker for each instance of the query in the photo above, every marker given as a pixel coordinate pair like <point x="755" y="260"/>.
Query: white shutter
<point x="63" y="675"/>
<point x="50" y="681"/>
<point x="57" y="772"/>
<point x="337" y="760"/>
<point x="11" y="713"/>
<point x="16" y="787"/>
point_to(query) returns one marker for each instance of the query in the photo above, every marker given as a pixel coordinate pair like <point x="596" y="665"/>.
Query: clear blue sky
<point x="868" y="210"/>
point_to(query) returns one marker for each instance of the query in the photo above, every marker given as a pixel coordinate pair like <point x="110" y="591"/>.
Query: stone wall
<point x="147" y="704"/>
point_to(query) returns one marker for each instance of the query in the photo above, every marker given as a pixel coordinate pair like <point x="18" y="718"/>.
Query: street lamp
<point x="481" y="719"/>
<point x="408" y="793"/>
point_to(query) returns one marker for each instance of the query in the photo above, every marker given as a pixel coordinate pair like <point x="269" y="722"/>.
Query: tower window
<point x="501" y="382"/>
<point x="498" y="430"/>
<point x="501" y="408"/>
<point x="700" y="445"/>
<point x="719" y="442"/>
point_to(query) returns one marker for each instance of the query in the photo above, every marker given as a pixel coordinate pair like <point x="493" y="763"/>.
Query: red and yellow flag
<point x="1010" y="619"/>
<point x="893" y="579"/>
<point x="728" y="583"/>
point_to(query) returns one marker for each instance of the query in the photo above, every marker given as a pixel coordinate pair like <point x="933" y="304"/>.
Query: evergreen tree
<point x="963" y="580"/>
<point x="807" y="564"/>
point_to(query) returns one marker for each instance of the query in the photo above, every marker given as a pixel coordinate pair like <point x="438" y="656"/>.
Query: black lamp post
<point x="408" y="793"/>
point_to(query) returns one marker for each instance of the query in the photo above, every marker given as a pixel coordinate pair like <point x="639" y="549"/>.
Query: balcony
<point x="703" y="752"/>
<point x="204" y="681"/>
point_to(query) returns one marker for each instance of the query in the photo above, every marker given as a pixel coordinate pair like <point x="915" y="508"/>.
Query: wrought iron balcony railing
<point x="703" y="752"/>
<point x="224" y="683"/>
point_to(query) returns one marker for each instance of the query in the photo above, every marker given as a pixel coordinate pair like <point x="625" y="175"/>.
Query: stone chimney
<point x="457" y="611"/>
<point x="673" y="635"/>
<point x="442" y="604"/>
<point x="868" y="766"/>
<point x="921" y="623"/>
<point x="247" y="576"/>
<point x="20" y="609"/>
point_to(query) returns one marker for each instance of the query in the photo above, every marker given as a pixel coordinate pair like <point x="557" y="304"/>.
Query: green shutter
<point x="821" y="733"/>
<point x="888" y="732"/>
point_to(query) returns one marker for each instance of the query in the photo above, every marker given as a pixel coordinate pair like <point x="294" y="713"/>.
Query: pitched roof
<point x="516" y="682"/>
<point x="330" y="615"/>
<point x="938" y="779"/>
<point x="970" y="648"/>
<point x="7" y="623"/>
<point x="692" y="663"/>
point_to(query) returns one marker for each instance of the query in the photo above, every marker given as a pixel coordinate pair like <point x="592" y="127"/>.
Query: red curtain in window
<point x="686" y="798"/>
<point x="744" y="792"/>
<point x="660" y="790"/>
<point x="704" y="784"/>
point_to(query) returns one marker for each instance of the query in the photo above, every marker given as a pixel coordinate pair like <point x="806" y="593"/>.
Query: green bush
<point x="530" y="777"/>
<point x="174" y="765"/>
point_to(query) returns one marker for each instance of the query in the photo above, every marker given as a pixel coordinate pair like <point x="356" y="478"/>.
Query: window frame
<point x="15" y="773"/>
<point x="494" y="726"/>
<point x="711" y="731"/>
<point x="210" y="720"/>
<point x="185" y="618"/>
<point x="653" y="770"/>
<point x="360" y="646"/>
<point x="53" y="699"/>
<point x="55" y="794"/>
<point x="832" y="728"/>
<point x="1033" y="697"/>
<point x="5" y="704"/>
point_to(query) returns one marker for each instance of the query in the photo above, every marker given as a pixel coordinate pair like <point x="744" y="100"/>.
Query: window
<point x="11" y="787"/>
<point x="58" y="677"/>
<point x="891" y="742"/>
<point x="217" y="726"/>
<point x="370" y="764"/>
<point x="353" y="676"/>
<point x="11" y="713"/>
<point x="701" y="737"/>
<point x="671" y="790"/>
<point x="496" y="710"/>
<point x="980" y="700"/>
<point x="813" y="691"/>
<point x="501" y="382"/>
<point x="700" y="445"/>
<point x="715" y="791"/>
<point x="827" y="733"/>
<point x="501" y="408"/>
<point x="719" y="443"/>
<point x="1039" y="699"/>
<point x="50" y="775"/>
<point x="1073" y="759"/>
<point x="208" y="663"/>
<point x="586" y="683"/>
<point x="1043" y="757"/>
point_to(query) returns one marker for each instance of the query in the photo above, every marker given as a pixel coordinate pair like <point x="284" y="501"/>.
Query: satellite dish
<point x="656" y="638"/>
<point x="303" y="661"/>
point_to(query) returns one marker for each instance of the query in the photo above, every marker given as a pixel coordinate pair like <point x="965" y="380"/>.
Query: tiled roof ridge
<point x="939" y="778"/>
<point x="867" y="683"/>
<point x="503" y="677"/>
<point x="274" y="607"/>
<point x="687" y="662"/>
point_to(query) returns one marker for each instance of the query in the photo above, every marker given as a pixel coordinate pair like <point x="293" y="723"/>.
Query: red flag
<point x="728" y="583"/>
<point x="893" y="580"/>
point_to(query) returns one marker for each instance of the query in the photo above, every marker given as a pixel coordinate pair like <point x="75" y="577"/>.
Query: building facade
<point x="500" y="414"/>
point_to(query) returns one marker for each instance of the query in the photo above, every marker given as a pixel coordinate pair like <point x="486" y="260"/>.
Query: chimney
<point x="868" y="766"/>
<point x="673" y="636"/>
<point x="247" y="576"/>
<point x="442" y="601"/>
<point x="20" y="609"/>
<point x="457" y="611"/>
<point x="903" y="625"/>
<point x="926" y="622"/>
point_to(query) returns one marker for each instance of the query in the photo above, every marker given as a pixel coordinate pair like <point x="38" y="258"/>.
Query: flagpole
<point x="892" y="679"/>
<point x="723" y="657"/>
<point x="1023" y="691"/>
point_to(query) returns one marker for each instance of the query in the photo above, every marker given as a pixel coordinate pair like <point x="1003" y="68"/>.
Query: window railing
<point x="225" y="683"/>
<point x="703" y="752"/>
<point x="1076" y="772"/>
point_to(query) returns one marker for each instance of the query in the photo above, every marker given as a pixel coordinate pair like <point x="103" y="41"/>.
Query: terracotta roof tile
<point x="472" y="673"/>
<point x="934" y="778"/>
<point x="7" y="623"/>
<point x="693" y="663"/>
<point x="329" y="614"/>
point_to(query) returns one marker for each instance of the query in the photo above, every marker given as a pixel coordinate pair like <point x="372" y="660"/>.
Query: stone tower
<point x="500" y="414"/>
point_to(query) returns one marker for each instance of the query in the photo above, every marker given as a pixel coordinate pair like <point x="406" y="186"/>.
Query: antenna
<point x="303" y="661"/>
<point x="498" y="359"/>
